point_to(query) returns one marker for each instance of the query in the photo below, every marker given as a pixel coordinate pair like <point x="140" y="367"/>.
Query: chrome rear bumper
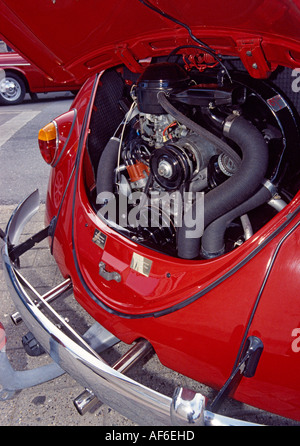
<point x="73" y="354"/>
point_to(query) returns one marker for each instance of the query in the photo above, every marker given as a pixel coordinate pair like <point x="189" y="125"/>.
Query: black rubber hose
<point x="212" y="242"/>
<point x="240" y="186"/>
<point x="233" y="191"/>
<point x="190" y="124"/>
<point x="105" y="172"/>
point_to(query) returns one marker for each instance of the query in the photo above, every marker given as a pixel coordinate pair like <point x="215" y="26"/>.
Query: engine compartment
<point x="191" y="162"/>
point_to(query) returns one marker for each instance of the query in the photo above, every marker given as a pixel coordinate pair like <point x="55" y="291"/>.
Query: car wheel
<point x="12" y="89"/>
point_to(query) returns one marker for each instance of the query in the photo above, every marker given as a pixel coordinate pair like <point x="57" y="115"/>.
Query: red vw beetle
<point x="173" y="206"/>
<point x="18" y="77"/>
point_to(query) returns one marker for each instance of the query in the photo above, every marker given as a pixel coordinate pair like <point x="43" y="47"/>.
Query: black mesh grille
<point x="106" y="115"/>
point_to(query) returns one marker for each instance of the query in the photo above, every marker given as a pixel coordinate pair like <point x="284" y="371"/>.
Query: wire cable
<point x="178" y="22"/>
<point x="202" y="44"/>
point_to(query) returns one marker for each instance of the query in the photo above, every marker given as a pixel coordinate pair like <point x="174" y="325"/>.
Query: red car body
<point x="30" y="79"/>
<point x="199" y="314"/>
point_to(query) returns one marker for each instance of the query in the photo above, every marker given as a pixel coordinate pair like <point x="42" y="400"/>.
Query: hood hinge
<point x="253" y="58"/>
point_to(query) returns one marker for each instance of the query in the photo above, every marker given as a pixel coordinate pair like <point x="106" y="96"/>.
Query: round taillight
<point x="48" y="142"/>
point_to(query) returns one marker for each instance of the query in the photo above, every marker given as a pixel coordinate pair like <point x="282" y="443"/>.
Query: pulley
<point x="171" y="166"/>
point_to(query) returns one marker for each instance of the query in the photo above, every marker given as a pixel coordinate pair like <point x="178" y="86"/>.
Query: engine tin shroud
<point x="284" y="118"/>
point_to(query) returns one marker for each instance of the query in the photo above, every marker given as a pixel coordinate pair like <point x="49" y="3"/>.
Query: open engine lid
<point x="71" y="39"/>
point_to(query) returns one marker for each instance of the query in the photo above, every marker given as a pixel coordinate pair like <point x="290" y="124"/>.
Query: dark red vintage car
<point x="173" y="206"/>
<point x="18" y="77"/>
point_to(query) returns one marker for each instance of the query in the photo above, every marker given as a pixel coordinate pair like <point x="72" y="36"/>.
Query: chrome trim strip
<point x="72" y="353"/>
<point x="11" y="66"/>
